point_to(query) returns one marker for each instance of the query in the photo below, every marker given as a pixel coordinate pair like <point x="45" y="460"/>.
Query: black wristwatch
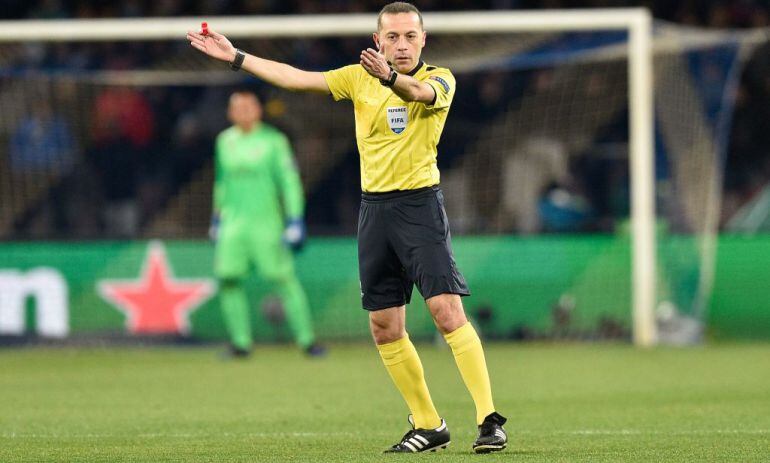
<point x="237" y="62"/>
<point x="391" y="80"/>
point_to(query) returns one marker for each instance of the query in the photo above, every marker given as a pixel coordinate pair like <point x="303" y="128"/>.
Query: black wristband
<point x="235" y="65"/>
<point x="391" y="80"/>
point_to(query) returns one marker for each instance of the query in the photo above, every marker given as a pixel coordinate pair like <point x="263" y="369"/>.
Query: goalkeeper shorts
<point x="404" y="240"/>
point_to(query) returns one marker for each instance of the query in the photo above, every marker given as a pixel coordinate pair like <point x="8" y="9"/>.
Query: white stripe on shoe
<point x="416" y="442"/>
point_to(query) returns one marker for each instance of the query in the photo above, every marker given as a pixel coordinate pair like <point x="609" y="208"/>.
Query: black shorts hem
<point x="377" y="307"/>
<point x="459" y="292"/>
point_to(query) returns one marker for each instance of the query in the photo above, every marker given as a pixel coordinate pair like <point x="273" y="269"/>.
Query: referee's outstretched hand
<point x="213" y="44"/>
<point x="375" y="63"/>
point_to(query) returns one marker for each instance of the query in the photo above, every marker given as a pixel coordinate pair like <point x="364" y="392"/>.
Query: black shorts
<point x="403" y="240"/>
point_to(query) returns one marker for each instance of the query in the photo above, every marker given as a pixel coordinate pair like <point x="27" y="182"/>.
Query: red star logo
<point x="157" y="303"/>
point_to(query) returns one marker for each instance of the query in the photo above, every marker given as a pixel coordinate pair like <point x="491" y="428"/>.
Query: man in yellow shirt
<point x="401" y="105"/>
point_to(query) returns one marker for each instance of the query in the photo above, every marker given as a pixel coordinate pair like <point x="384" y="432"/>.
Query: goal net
<point x="546" y="158"/>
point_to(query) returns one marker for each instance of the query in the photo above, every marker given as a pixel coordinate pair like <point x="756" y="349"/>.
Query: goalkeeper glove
<point x="214" y="228"/>
<point x="294" y="233"/>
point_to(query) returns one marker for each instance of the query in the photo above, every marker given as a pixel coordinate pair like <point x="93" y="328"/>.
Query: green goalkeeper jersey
<point x="256" y="178"/>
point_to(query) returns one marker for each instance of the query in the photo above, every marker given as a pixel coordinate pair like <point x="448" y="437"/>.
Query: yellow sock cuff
<point x="462" y="339"/>
<point x="396" y="352"/>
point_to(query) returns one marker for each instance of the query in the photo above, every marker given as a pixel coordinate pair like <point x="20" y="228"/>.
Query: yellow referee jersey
<point x="396" y="139"/>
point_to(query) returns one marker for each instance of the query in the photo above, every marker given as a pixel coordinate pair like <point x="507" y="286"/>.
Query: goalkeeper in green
<point x="257" y="220"/>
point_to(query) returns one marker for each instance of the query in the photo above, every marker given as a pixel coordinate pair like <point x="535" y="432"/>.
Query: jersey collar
<point x="413" y="71"/>
<point x="416" y="68"/>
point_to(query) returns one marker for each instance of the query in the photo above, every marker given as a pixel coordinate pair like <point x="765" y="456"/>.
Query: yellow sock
<point x="403" y="365"/>
<point x="469" y="356"/>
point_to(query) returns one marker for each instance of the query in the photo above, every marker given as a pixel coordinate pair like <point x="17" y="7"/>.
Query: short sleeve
<point x="342" y="82"/>
<point x="443" y="82"/>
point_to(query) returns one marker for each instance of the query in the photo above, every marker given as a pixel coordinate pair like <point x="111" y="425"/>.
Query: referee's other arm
<point x="399" y="39"/>
<point x="405" y="86"/>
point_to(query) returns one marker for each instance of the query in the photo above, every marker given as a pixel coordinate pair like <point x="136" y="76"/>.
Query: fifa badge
<point x="397" y="118"/>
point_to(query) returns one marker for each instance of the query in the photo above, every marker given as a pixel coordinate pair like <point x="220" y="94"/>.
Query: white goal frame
<point x="637" y="21"/>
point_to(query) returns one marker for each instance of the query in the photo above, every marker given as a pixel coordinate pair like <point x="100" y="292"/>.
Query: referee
<point x="401" y="104"/>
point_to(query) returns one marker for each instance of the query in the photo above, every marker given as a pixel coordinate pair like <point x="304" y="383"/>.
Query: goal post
<point x="642" y="141"/>
<point x="637" y="22"/>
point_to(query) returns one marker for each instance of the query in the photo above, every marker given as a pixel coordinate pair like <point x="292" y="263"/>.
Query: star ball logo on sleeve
<point x="442" y="82"/>
<point x="397" y="118"/>
<point x="156" y="302"/>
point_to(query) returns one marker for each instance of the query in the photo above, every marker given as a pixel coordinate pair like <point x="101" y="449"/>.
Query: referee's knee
<point x="447" y="312"/>
<point x="387" y="325"/>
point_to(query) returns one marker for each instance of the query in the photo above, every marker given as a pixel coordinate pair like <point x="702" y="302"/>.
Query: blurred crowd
<point x="142" y="146"/>
<point x="711" y="13"/>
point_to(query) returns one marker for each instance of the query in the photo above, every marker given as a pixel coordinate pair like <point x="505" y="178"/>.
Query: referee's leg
<point x="449" y="317"/>
<point x="403" y="364"/>
<point x="384" y="294"/>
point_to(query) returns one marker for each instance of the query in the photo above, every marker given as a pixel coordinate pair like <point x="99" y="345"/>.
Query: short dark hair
<point x="395" y="8"/>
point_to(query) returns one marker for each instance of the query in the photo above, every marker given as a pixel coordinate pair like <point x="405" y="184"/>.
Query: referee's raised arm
<point x="405" y="86"/>
<point x="281" y="75"/>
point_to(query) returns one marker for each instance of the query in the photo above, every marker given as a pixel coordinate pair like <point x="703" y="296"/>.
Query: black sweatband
<point x="237" y="62"/>
<point x="391" y="80"/>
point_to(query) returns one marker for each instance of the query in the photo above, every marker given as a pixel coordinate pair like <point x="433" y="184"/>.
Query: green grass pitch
<point x="565" y="402"/>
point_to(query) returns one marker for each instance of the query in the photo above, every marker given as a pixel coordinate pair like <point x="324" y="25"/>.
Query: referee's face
<point x="401" y="38"/>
